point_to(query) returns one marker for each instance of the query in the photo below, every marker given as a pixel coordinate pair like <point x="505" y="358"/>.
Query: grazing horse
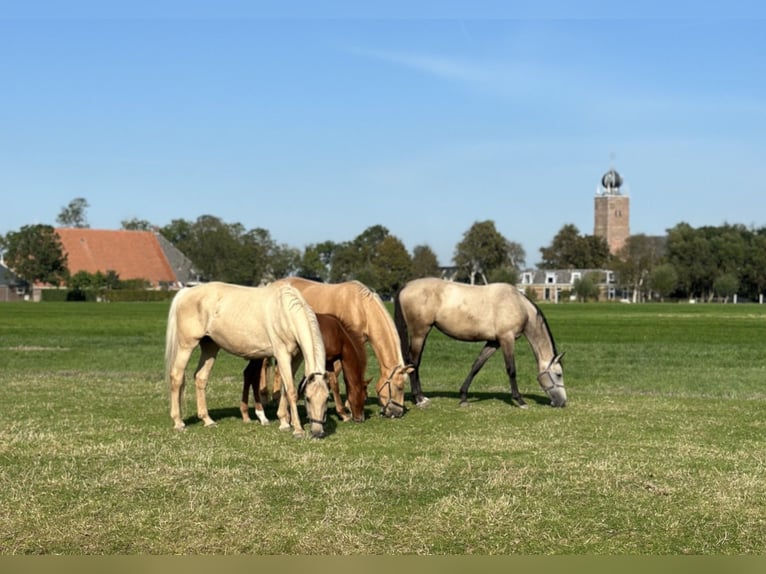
<point x="342" y="347"/>
<point x="253" y="323"/>
<point x="497" y="313"/>
<point x="362" y="311"/>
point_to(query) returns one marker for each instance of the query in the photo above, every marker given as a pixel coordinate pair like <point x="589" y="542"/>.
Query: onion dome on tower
<point x="611" y="182"/>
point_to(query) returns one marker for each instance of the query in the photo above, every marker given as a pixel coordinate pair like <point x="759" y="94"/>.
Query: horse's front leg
<point x="202" y="374"/>
<point x="510" y="367"/>
<point x="332" y="375"/>
<point x="288" y="401"/>
<point x="487" y="351"/>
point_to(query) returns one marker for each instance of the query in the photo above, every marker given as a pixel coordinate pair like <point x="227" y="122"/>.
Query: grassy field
<point x="661" y="450"/>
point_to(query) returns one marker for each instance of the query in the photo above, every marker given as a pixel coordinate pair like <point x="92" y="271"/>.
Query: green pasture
<point x="661" y="450"/>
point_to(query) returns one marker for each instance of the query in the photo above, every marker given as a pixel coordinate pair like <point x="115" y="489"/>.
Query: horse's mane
<point x="364" y="291"/>
<point x="541" y="319"/>
<point x="296" y="303"/>
<point x="377" y="302"/>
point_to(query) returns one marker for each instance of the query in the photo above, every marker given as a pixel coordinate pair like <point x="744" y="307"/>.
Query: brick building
<point x="611" y="215"/>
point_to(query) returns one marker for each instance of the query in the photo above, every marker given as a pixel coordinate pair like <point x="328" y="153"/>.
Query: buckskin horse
<point x="253" y="323"/>
<point x="497" y="313"/>
<point x="362" y="311"/>
<point x="344" y="349"/>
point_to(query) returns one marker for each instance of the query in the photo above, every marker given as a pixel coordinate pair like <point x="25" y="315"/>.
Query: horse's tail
<point x="401" y="327"/>
<point x="171" y="335"/>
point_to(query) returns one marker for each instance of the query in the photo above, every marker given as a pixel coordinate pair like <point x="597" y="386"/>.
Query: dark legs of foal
<point x="510" y="367"/>
<point x="252" y="379"/>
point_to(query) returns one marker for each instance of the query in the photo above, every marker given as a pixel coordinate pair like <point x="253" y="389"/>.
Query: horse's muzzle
<point x="392" y="411"/>
<point x="558" y="397"/>
<point x="317" y="430"/>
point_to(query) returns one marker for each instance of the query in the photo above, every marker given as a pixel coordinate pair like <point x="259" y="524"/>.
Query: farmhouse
<point x="144" y="255"/>
<point x="554" y="284"/>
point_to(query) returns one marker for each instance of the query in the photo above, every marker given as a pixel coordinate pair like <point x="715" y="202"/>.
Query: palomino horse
<point x="497" y="313"/>
<point x="253" y="323"/>
<point x="342" y="347"/>
<point x="362" y="311"/>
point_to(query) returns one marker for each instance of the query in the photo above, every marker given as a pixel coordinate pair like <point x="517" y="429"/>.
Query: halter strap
<point x="387" y="383"/>
<point x="305" y="380"/>
<point x="553" y="382"/>
<point x="302" y="388"/>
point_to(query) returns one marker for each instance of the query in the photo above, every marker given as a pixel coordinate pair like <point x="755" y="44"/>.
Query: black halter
<point x="547" y="372"/>
<point x="302" y="389"/>
<point x="388" y="384"/>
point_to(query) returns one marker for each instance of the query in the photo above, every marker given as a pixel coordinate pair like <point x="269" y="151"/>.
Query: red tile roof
<point x="130" y="254"/>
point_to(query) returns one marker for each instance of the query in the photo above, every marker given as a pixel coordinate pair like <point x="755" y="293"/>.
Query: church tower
<point x="612" y="212"/>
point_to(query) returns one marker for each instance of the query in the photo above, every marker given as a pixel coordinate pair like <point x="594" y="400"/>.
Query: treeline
<point x="228" y="252"/>
<point x="701" y="263"/>
<point x="688" y="263"/>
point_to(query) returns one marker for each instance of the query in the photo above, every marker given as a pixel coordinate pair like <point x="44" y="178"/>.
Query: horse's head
<point x="316" y="392"/>
<point x="551" y="380"/>
<point x="391" y="391"/>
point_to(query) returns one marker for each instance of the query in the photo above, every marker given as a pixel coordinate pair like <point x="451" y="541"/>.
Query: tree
<point x="392" y="267"/>
<point x="663" y="280"/>
<point x="635" y="261"/>
<point x="281" y="261"/>
<point x="505" y="274"/>
<point x="136" y="224"/>
<point x="73" y="215"/>
<point x="35" y="254"/>
<point x="726" y="286"/>
<point x="316" y="261"/>
<point x="586" y="288"/>
<point x="754" y="272"/>
<point x="222" y="251"/>
<point x="353" y="260"/>
<point x="570" y="250"/>
<point x="483" y="250"/>
<point x="689" y="253"/>
<point x="424" y="262"/>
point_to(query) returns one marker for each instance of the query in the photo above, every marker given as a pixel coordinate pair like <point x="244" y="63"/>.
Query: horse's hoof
<point x="211" y="424"/>
<point x="264" y="423"/>
<point x="298" y="434"/>
<point x="465" y="404"/>
<point x="179" y="428"/>
<point x="524" y="406"/>
<point x="424" y="402"/>
<point x="285" y="427"/>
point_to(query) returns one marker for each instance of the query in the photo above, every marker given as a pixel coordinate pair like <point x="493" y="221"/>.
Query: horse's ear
<point x="409" y="368"/>
<point x="557" y="358"/>
<point x="302" y="385"/>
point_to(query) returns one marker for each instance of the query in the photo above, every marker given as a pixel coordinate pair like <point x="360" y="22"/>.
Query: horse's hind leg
<point x="487" y="351"/>
<point x="209" y="351"/>
<point x="417" y="345"/>
<point x="177" y="386"/>
<point x="252" y="376"/>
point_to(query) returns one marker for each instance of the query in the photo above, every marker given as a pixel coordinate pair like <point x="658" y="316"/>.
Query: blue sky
<point x="318" y="120"/>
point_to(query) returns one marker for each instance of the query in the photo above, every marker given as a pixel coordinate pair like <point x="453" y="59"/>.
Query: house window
<point x="526" y="279"/>
<point x="550" y="278"/>
<point x="576" y="275"/>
